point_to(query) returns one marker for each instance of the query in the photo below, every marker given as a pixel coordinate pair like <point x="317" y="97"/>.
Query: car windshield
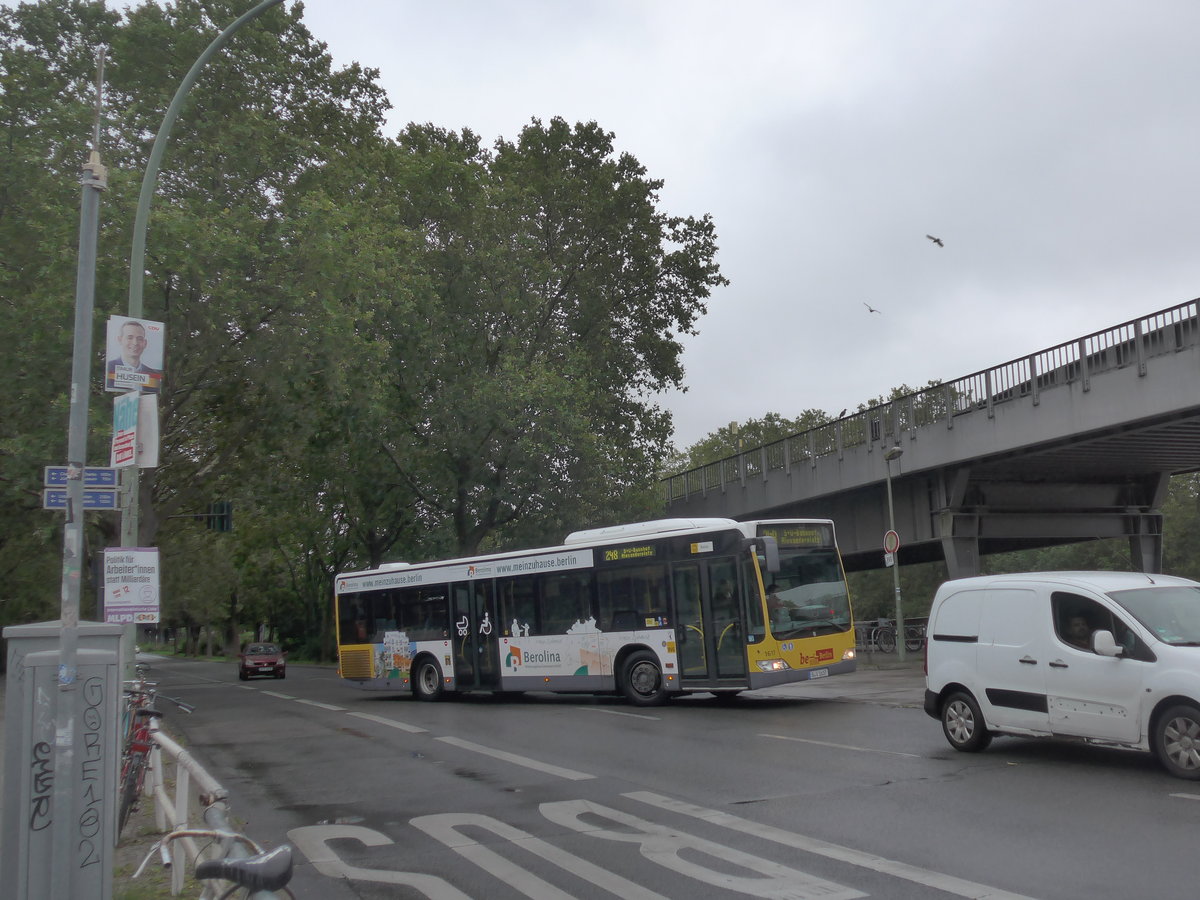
<point x="1170" y="612"/>
<point x="258" y="649"/>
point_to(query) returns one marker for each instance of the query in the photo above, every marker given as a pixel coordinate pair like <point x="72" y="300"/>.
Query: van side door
<point x="1091" y="695"/>
<point x="1012" y="659"/>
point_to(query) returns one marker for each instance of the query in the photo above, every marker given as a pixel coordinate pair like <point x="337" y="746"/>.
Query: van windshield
<point x="1170" y="612"/>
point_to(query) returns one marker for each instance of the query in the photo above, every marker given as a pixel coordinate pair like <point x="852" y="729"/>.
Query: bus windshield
<point x="807" y="596"/>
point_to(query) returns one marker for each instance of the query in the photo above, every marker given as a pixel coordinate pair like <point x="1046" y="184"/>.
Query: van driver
<point x="1078" y="633"/>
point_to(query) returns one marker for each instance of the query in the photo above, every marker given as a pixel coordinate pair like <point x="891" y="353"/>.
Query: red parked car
<point x="261" y="659"/>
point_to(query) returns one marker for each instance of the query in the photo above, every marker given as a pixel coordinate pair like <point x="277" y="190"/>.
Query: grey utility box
<point x="36" y="848"/>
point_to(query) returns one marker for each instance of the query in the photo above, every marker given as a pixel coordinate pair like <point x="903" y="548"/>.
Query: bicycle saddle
<point x="268" y="871"/>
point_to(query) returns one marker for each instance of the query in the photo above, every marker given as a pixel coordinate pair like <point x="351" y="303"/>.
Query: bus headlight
<point x="850" y="654"/>
<point x="773" y="665"/>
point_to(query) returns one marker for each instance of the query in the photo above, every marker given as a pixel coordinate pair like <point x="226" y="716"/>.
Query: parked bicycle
<point x="265" y="870"/>
<point x="881" y="635"/>
<point x="914" y="636"/>
<point x="877" y="635"/>
<point x="137" y="722"/>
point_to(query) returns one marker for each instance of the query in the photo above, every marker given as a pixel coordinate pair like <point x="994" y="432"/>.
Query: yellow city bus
<point x="648" y="610"/>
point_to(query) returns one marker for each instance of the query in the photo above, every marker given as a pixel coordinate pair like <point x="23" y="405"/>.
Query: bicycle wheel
<point x="913" y="639"/>
<point x="131" y="787"/>
<point x="886" y="640"/>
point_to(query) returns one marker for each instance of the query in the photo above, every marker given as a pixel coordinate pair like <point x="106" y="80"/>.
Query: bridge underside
<point x="1105" y="486"/>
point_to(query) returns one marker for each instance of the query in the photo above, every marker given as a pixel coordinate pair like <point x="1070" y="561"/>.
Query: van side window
<point x="1076" y="618"/>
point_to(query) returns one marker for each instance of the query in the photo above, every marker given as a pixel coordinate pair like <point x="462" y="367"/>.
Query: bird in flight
<point x="936" y="240"/>
<point x="870" y="308"/>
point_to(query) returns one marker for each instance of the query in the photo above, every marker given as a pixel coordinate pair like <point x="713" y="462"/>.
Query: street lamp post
<point x="130" y="480"/>
<point x="888" y="456"/>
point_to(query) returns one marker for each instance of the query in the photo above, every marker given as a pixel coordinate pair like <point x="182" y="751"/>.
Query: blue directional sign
<point x="102" y="477"/>
<point x="57" y="499"/>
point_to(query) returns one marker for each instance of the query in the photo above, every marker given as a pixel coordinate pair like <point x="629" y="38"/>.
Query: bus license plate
<point x="818" y="673"/>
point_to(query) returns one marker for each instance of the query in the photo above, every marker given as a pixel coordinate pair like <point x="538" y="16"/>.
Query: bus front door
<point x="709" y="630"/>
<point x="476" y="651"/>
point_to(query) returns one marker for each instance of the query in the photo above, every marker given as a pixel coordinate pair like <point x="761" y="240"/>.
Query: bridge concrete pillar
<point x="1146" y="543"/>
<point x="960" y="543"/>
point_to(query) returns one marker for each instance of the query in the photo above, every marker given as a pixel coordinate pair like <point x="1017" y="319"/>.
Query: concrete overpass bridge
<point x="1068" y="444"/>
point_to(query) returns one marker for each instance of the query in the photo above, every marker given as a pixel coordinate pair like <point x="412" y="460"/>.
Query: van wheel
<point x="1177" y="741"/>
<point x="962" y="723"/>
<point x="641" y="680"/>
<point x="427" y="680"/>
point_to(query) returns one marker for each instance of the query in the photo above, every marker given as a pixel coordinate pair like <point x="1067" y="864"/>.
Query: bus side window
<point x="566" y="603"/>
<point x="625" y="620"/>
<point x="629" y="598"/>
<point x="650" y="592"/>
<point x="612" y="589"/>
<point x="518" y="607"/>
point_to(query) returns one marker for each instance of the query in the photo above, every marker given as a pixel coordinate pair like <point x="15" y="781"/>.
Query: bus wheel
<point x="427" y="680"/>
<point x="641" y="680"/>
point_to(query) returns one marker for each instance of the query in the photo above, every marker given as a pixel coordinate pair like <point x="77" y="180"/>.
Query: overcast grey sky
<point x="1053" y="146"/>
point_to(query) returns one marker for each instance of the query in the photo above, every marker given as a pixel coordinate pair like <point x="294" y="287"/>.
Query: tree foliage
<point x="549" y="292"/>
<point x="736" y="437"/>
<point x="378" y="348"/>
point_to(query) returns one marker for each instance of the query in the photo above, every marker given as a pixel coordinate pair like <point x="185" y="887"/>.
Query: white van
<point x="1107" y="657"/>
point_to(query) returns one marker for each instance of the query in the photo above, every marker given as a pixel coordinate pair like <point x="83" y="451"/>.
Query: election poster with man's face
<point x="134" y="356"/>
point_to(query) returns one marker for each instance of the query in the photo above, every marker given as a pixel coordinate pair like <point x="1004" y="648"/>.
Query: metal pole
<point x="94" y="180"/>
<point x="900" y="651"/>
<point x="130" y="484"/>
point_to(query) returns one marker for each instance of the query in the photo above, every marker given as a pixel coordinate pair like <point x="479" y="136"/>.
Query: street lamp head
<point x="892" y="453"/>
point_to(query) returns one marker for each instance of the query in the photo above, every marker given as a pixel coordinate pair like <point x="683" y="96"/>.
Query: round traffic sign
<point x="891" y="542"/>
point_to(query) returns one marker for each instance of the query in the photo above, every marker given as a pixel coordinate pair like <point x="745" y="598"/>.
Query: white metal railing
<point x="175" y="810"/>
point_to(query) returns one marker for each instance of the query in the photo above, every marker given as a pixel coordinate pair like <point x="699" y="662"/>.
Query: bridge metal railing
<point x="1128" y="344"/>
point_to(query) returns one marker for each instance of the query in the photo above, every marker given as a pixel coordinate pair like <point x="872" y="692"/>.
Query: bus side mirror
<point x="769" y="549"/>
<point x="771" y="552"/>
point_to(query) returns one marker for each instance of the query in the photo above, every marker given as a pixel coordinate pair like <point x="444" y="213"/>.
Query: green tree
<point x="376" y="348"/>
<point x="47" y="95"/>
<point x="549" y="289"/>
<point x="737" y="437"/>
<point x="222" y="253"/>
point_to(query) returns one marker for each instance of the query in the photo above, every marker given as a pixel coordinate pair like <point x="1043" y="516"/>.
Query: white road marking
<point x="1187" y="796"/>
<point x="328" y="706"/>
<point x="936" y="880"/>
<point x="443" y="828"/>
<point x="525" y="761"/>
<point x="617" y="712"/>
<point x="391" y="723"/>
<point x="782" y="737"/>
<point x="685" y="854"/>
<point x="313" y="842"/>
<point x="277" y="694"/>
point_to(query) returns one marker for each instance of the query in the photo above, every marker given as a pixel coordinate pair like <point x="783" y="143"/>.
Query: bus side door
<point x="709" y="627"/>
<point x="476" y="649"/>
